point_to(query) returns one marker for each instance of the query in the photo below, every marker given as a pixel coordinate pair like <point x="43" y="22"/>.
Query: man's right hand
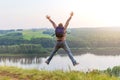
<point x="71" y="14"/>
<point x="48" y="17"/>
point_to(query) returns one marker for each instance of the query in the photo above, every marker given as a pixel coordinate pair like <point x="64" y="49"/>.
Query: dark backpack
<point x="59" y="31"/>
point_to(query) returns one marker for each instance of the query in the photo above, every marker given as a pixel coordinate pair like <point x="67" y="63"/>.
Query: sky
<point x="26" y="14"/>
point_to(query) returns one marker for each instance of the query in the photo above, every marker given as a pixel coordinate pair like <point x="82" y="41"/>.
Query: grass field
<point x="13" y="73"/>
<point x="28" y="34"/>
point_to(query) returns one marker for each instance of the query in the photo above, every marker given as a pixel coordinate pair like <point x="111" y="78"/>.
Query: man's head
<point x="60" y="24"/>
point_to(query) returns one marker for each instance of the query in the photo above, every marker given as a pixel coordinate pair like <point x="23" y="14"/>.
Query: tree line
<point x="23" y="48"/>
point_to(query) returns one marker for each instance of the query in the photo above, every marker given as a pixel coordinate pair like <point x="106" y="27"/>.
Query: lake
<point x="86" y="61"/>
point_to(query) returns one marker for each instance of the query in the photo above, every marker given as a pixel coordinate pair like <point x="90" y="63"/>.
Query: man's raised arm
<point x="53" y="23"/>
<point x="68" y="20"/>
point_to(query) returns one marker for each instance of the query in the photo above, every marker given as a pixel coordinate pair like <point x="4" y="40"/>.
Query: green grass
<point x="13" y="73"/>
<point x="28" y="34"/>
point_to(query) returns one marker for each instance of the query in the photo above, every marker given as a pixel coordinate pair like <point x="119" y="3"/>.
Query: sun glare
<point x="101" y="12"/>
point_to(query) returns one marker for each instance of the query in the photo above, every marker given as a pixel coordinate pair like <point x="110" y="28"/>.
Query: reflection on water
<point x="21" y="60"/>
<point x="87" y="62"/>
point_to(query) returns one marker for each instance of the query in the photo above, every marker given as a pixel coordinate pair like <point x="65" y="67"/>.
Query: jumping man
<point x="60" y="32"/>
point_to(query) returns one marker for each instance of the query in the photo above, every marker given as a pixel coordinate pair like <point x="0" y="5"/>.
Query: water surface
<point x="86" y="61"/>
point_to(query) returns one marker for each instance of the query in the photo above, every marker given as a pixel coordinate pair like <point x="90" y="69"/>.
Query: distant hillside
<point x="78" y="37"/>
<point x="34" y="33"/>
<point x="26" y="34"/>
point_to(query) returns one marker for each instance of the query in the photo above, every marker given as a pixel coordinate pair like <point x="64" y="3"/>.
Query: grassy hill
<point x="26" y="34"/>
<point x="101" y="34"/>
<point x="29" y="34"/>
<point x="12" y="73"/>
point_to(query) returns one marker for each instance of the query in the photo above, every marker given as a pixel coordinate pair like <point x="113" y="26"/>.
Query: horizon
<point x="68" y="28"/>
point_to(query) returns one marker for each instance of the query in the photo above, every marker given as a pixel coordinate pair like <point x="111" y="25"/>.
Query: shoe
<point x="74" y="64"/>
<point x="46" y="62"/>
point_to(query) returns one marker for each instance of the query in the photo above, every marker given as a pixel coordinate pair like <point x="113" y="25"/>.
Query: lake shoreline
<point x="76" y="51"/>
<point x="96" y="51"/>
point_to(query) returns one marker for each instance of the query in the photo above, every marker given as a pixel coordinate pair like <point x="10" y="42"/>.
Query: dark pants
<point x="62" y="44"/>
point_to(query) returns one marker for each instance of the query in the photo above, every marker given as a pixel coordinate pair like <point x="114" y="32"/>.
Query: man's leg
<point x="52" y="54"/>
<point x="67" y="49"/>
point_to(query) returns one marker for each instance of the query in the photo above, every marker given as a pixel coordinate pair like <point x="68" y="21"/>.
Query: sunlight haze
<point x="27" y="14"/>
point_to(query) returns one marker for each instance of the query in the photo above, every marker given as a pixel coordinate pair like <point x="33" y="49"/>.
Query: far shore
<point x="76" y="51"/>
